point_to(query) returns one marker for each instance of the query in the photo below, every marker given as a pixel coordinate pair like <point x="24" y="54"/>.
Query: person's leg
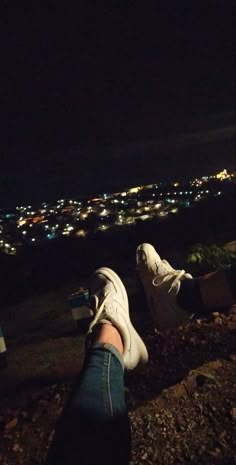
<point x="94" y="428"/>
<point x="173" y="295"/>
<point x="209" y="292"/>
<point x="161" y="283"/>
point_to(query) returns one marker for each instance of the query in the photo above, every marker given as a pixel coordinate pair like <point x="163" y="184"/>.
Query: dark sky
<point x="91" y="84"/>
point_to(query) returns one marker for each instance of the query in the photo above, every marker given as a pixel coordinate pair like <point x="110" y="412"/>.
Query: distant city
<point x="28" y="225"/>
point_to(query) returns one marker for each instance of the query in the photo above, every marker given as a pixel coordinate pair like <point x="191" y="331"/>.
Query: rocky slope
<point x="182" y="405"/>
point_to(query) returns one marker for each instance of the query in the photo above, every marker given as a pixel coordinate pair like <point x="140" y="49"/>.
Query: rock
<point x="233" y="413"/>
<point x="43" y="402"/>
<point x="215" y="365"/>
<point x="233" y="308"/>
<point x="230" y="246"/>
<point x="215" y="452"/>
<point x="51" y="435"/>
<point x="232" y="357"/>
<point x="11" y="424"/>
<point x="16" y="447"/>
<point x="190" y="383"/>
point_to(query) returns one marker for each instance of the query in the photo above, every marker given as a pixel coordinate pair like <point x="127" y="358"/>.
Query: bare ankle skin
<point x="108" y="334"/>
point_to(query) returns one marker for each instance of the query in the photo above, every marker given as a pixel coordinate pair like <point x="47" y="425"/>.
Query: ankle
<point x="109" y="334"/>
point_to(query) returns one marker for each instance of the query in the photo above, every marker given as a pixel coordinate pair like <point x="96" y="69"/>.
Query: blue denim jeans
<point x="94" y="427"/>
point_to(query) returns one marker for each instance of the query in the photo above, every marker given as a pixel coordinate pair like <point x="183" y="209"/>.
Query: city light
<point x="80" y="217"/>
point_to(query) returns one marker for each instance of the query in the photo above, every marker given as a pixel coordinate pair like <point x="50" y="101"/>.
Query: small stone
<point x="11" y="424"/>
<point x="43" y="402"/>
<point x="51" y="435"/>
<point x="215" y="314"/>
<point x="233" y="308"/>
<point x="215" y="452"/>
<point x="233" y="413"/>
<point x="16" y="447"/>
<point x="216" y="364"/>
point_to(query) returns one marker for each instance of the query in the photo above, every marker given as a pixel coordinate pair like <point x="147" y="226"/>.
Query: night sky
<point x="99" y="95"/>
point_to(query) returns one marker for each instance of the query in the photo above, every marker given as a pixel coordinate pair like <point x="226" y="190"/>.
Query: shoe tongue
<point x="96" y="299"/>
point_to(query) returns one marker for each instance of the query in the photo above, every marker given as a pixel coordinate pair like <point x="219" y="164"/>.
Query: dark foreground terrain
<point x="182" y="405"/>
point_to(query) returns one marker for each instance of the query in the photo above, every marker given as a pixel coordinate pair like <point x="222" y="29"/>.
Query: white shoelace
<point x="159" y="279"/>
<point x="99" y="312"/>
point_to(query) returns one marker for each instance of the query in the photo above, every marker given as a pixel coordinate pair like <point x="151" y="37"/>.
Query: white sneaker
<point x="161" y="284"/>
<point x="111" y="305"/>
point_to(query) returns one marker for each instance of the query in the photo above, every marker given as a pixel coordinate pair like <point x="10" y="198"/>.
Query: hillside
<point x="182" y="405"/>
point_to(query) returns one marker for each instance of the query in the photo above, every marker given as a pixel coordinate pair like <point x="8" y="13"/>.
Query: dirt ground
<point x="182" y="406"/>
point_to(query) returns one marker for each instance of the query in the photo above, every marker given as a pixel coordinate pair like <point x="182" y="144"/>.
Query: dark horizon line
<point x="101" y="191"/>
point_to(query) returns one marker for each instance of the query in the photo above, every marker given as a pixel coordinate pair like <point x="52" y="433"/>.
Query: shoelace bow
<point x="99" y="312"/>
<point x="167" y="277"/>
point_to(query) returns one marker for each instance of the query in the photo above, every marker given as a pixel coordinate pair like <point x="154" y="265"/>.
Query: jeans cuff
<point x="109" y="348"/>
